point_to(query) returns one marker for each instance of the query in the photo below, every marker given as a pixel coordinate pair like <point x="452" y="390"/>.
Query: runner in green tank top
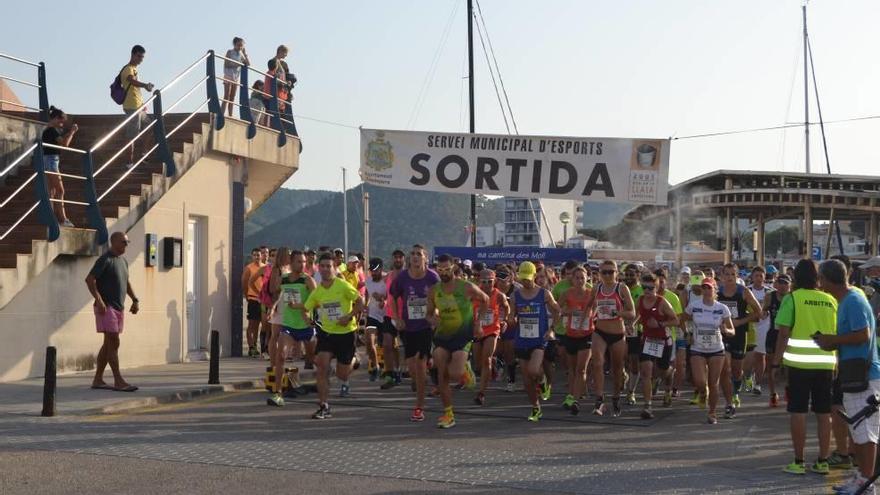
<point x="450" y="311"/>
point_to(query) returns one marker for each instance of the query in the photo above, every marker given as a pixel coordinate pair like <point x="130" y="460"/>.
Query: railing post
<point x="49" y="382"/>
<point x="288" y="112"/>
<point x="213" y="97"/>
<point x="214" y="365"/>
<point x="244" y="108"/>
<point x="44" y="93"/>
<point x="93" y="211"/>
<point x="161" y="140"/>
<point x="45" y="212"/>
<point x="273" y="107"/>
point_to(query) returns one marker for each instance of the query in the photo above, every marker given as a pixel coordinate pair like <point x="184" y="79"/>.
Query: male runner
<point x="388" y="330"/>
<point x="676" y="333"/>
<point x="505" y="284"/>
<point x="490" y="325"/>
<point x="376" y="291"/>
<point x="559" y="326"/>
<point x="739" y="300"/>
<point x="338" y="304"/>
<point x="657" y="317"/>
<point x="633" y="336"/>
<point x="411" y="286"/>
<point x="250" y="285"/>
<point x="451" y="313"/>
<point x="758" y="361"/>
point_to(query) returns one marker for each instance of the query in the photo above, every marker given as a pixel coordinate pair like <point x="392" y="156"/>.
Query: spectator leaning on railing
<point x="231" y="73"/>
<point x="858" y="366"/>
<point x="57" y="135"/>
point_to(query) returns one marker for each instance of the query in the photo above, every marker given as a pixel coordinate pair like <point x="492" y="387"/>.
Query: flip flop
<point x="103" y="387"/>
<point x="130" y="388"/>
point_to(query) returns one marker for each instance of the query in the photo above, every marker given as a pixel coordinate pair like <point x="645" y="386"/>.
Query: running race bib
<point x="417" y="308"/>
<point x="332" y="312"/>
<point x="654" y="347"/>
<point x="708" y="338"/>
<point x="291" y="296"/>
<point x="579" y="322"/>
<point x="734" y="311"/>
<point x="529" y="328"/>
<point x="606" y="309"/>
<point x="487" y="319"/>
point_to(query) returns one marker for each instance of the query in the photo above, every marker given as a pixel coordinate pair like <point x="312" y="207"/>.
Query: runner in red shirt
<point x="577" y="316"/>
<point x="656" y="316"/>
<point x="492" y="322"/>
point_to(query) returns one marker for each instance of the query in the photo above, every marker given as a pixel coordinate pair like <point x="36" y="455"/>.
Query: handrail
<point x="20" y="158"/>
<point x="15" y="193"/>
<point x="19" y="81"/>
<point x="8" y="102"/>
<point x="16" y="59"/>
<point x="122" y="124"/>
<point x="64" y="148"/>
<point x="185" y="95"/>
<point x="185" y="72"/>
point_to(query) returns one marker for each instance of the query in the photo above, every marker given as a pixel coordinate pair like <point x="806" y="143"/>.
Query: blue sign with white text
<point x="492" y="255"/>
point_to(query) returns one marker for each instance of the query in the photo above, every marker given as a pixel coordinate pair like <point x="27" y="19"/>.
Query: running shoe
<point x="795" y="468"/>
<point x="852" y="484"/>
<point x="839" y="461"/>
<point x="696" y="400"/>
<point x="67" y="223"/>
<point x="575" y="408"/>
<point x="323" y="412"/>
<point x="264" y="356"/>
<point x="418" y="415"/>
<point x="546" y="390"/>
<point x="374" y="374"/>
<point x="631" y="399"/>
<point x="736" y="401"/>
<point x="774" y="400"/>
<point x="446" y="421"/>
<point x="566" y="404"/>
<point x="756" y="390"/>
<point x="625" y="379"/>
<point x="748" y="384"/>
<point x="820" y="467"/>
<point x="712" y="419"/>
<point x="252" y="352"/>
<point x="615" y="407"/>
<point x="730" y="412"/>
<point x="701" y="401"/>
<point x="356" y="363"/>
<point x="480" y="399"/>
<point x="676" y="393"/>
<point x="388" y="383"/>
<point x="275" y="400"/>
<point x="647" y="413"/>
<point x="510" y="387"/>
<point x="599" y="409"/>
<point x="536" y="414"/>
<point x="344" y="390"/>
<point x="667" y="399"/>
<point x="470" y="380"/>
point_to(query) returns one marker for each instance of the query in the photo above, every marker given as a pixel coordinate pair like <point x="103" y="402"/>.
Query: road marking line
<point x="167" y="407"/>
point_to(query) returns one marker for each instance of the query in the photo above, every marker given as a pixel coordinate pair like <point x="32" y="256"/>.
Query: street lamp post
<point x="564" y="217"/>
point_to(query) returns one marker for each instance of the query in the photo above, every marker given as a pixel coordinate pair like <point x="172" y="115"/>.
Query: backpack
<point x="117" y="92"/>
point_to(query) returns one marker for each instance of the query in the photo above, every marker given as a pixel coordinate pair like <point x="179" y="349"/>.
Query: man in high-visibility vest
<point x="804" y="313"/>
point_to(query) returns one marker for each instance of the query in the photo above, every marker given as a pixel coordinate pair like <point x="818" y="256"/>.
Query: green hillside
<point x="399" y="219"/>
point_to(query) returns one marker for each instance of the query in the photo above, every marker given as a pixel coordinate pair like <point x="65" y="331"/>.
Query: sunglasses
<point x="607" y="272"/>
<point x="487" y="281"/>
<point x="706" y="286"/>
<point x="648" y="287"/>
<point x="783" y="282"/>
<point x="503" y="275"/>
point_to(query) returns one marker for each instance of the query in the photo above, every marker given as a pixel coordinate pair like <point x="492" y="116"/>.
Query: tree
<point x="784" y="238"/>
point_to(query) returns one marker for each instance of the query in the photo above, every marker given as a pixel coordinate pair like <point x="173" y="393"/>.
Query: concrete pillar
<point x="872" y="234"/>
<point x="679" y="245"/>
<point x="760" y="239"/>
<point x="800" y="219"/>
<point x="719" y="232"/>
<point x="728" y="236"/>
<point x="808" y="230"/>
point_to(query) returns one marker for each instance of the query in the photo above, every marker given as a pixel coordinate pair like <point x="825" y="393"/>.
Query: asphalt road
<point x="234" y="443"/>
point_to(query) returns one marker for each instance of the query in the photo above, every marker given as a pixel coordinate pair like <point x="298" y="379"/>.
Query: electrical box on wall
<point x="172" y="252"/>
<point x="152" y="249"/>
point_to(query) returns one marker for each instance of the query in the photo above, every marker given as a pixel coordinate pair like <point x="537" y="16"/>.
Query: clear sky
<point x="572" y="68"/>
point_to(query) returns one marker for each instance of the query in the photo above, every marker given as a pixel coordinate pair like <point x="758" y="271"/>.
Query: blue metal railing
<point x="281" y="121"/>
<point x="40" y="84"/>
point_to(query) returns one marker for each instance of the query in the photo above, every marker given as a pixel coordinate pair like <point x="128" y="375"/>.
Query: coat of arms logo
<point x="379" y="155"/>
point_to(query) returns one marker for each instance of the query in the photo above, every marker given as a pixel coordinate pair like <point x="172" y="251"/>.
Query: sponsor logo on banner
<point x="582" y="169"/>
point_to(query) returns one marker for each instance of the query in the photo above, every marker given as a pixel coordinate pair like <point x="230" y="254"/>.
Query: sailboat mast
<point x="344" y="216"/>
<point x="470" y="14"/>
<point x="806" y="94"/>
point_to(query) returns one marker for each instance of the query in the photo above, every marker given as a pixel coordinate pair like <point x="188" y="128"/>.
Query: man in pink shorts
<point x="108" y="283"/>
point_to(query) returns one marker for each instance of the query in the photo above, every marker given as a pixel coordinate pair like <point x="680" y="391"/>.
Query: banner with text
<point x="491" y="255"/>
<point x="584" y="169"/>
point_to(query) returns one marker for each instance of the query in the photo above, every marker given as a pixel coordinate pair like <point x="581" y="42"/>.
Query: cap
<point x="696" y="279"/>
<point x="375" y="264"/>
<point x="398" y="252"/>
<point x="352" y="259"/>
<point x="527" y="271"/>
<point x="871" y="263"/>
<point x="772" y="270"/>
<point x="468" y="263"/>
<point x="708" y="281"/>
<point x="310" y="252"/>
<point x="338" y="251"/>
<point x="686" y="269"/>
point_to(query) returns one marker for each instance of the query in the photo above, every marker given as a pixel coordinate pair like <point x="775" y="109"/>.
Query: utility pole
<point x="344" y="216"/>
<point x="366" y="223"/>
<point x="470" y="14"/>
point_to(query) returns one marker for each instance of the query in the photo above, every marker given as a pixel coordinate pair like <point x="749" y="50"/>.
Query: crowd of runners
<point x="617" y="335"/>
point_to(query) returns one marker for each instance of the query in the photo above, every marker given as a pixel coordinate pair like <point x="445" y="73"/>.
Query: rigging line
<point x="777" y="127"/>
<point x="432" y="68"/>
<point x="497" y="69"/>
<point x="795" y="58"/>
<point x="324" y="121"/>
<point x="494" y="83"/>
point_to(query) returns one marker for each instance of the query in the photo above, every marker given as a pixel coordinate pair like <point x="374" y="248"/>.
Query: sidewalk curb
<point x="172" y="397"/>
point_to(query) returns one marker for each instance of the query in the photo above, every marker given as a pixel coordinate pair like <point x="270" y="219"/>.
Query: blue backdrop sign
<point x="492" y="255"/>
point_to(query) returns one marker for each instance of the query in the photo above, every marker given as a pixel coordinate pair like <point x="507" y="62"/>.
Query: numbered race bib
<point x="579" y="322"/>
<point x="606" y="309"/>
<point x="529" y="328"/>
<point x="291" y="296"/>
<point x="734" y="311"/>
<point x="654" y="347"/>
<point x="487" y="319"/>
<point x="708" y="338"/>
<point x="332" y="312"/>
<point x="417" y="308"/>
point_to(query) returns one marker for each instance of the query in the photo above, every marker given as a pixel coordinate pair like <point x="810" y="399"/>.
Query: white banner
<point x="584" y="169"/>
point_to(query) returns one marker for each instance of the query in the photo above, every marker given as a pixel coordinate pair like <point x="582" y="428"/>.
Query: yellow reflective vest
<point x="814" y="311"/>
